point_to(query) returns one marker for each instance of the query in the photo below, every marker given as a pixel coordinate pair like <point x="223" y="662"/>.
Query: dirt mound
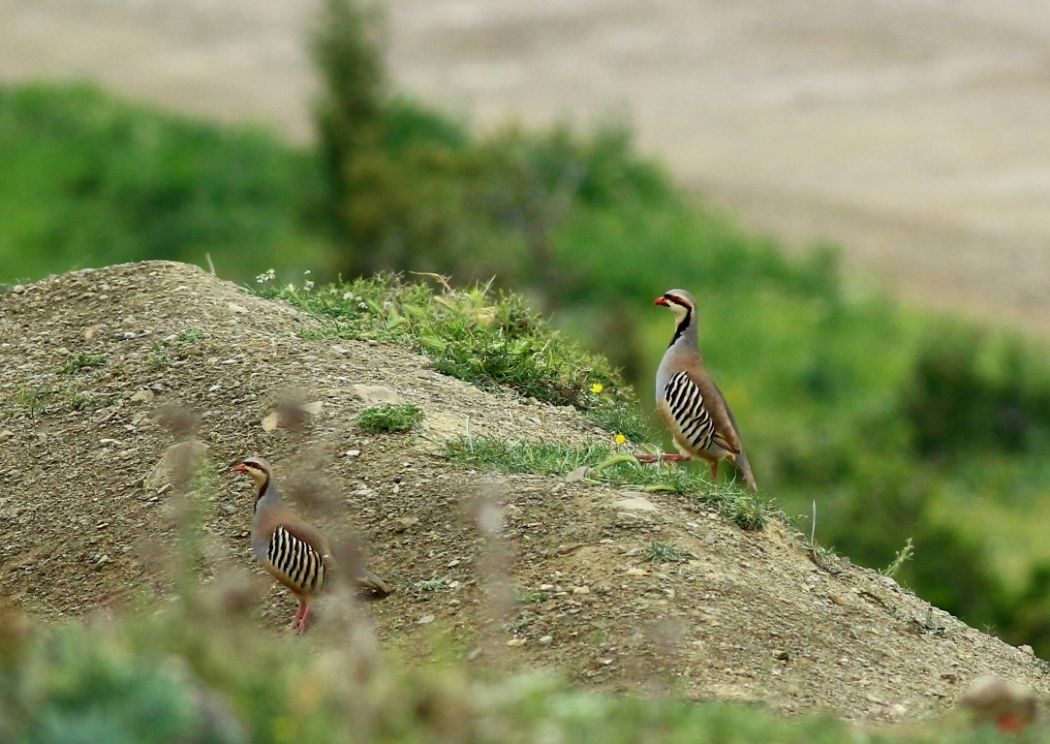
<point x="89" y="356"/>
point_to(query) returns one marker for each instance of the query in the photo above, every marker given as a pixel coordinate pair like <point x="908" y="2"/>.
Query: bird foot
<point x="301" y="621"/>
<point x="304" y="623"/>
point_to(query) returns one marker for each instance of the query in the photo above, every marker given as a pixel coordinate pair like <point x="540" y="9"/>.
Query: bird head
<point x="255" y="468"/>
<point x="679" y="301"/>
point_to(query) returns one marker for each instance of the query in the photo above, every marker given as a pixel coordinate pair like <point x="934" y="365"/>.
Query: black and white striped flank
<point x="296" y="559"/>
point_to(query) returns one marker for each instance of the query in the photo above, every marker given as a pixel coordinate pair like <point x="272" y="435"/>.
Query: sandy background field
<point x="915" y="133"/>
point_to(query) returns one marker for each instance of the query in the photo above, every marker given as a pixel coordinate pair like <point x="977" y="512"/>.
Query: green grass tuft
<point x="431" y="585"/>
<point x="83" y="361"/>
<point x="387" y="419"/>
<point x="490" y="339"/>
<point x="526" y="596"/>
<point x="660" y="552"/>
<point x="78" y="401"/>
<point x="35" y="400"/>
<point x="538" y="457"/>
<point x="160" y="356"/>
<point x="748" y="512"/>
<point x="190" y="336"/>
<point x="608" y="467"/>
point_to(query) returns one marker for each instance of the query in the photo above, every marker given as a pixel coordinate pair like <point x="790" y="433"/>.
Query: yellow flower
<point x="597" y="388"/>
<point x="620" y="439"/>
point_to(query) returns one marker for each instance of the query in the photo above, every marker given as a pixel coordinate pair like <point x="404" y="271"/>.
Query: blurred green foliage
<point x="897" y="424"/>
<point x="91" y="181"/>
<point x="165" y="677"/>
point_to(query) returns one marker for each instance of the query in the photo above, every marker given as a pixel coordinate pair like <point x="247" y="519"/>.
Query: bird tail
<point x="745" y="470"/>
<point x="369" y="580"/>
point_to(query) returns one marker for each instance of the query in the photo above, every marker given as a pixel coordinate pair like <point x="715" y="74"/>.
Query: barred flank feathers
<point x="299" y="563"/>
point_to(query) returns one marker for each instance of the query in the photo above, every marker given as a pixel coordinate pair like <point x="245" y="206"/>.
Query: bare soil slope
<point x="750" y="616"/>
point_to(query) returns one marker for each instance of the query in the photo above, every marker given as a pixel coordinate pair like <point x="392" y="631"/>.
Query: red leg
<point x="297" y="621"/>
<point x="304" y="623"/>
<point x="714" y="471"/>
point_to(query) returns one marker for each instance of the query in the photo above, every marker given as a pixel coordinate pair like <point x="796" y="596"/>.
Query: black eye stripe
<point x="678" y="301"/>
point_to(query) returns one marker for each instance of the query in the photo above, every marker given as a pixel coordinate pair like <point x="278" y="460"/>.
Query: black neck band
<point x="682" y="326"/>
<point x="262" y="492"/>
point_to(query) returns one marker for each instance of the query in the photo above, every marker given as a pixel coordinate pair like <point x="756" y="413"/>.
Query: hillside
<point x="750" y="615"/>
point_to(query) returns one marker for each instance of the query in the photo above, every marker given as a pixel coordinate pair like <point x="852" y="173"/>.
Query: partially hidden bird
<point x="1011" y="706"/>
<point x="294" y="551"/>
<point x="689" y="401"/>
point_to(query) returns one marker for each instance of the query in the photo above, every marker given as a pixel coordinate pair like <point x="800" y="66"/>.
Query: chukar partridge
<point x="291" y="549"/>
<point x="1009" y="705"/>
<point x="690" y="402"/>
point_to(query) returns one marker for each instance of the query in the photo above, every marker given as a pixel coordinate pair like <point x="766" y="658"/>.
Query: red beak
<point x="661" y="300"/>
<point x="239" y="468"/>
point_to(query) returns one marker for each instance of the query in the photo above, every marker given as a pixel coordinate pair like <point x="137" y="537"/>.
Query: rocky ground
<point x="89" y="359"/>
